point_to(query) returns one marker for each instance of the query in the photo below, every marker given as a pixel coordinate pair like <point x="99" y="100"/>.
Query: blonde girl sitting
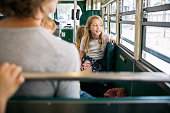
<point x="93" y="44"/>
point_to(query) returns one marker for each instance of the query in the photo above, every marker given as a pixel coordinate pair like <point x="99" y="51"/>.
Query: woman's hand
<point x="10" y="79"/>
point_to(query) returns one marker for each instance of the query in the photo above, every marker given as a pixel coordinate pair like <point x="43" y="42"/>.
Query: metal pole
<point x="75" y="20"/>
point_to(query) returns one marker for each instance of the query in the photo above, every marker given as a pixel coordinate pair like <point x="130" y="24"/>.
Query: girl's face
<point x="96" y="28"/>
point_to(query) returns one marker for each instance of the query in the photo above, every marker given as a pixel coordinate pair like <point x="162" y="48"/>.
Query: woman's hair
<point x="21" y="8"/>
<point x="80" y="33"/>
<point x="88" y="35"/>
<point x="48" y="23"/>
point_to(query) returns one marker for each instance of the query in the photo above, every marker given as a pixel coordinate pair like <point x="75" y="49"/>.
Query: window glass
<point x="152" y="3"/>
<point x="64" y="14"/>
<point x="113" y="8"/>
<point x="113" y="18"/>
<point x="127" y="34"/>
<point x="160" y="64"/>
<point x="158" y="39"/>
<point x="89" y="5"/>
<point x="161" y="16"/>
<point x="105" y="17"/>
<point x="128" y="31"/>
<point x="113" y="27"/>
<point x="98" y="5"/>
<point x="128" y="17"/>
<point x="129" y="5"/>
<point x="126" y="44"/>
<point x="105" y="27"/>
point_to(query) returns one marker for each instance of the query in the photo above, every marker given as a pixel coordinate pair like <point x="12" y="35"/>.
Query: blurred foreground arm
<point x="10" y="80"/>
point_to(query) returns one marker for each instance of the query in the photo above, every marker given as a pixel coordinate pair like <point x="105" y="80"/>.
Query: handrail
<point x="111" y="76"/>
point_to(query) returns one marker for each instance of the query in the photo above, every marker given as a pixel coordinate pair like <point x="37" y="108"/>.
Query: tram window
<point x="127" y="23"/>
<point x="128" y="17"/>
<point x="157" y="40"/>
<point x="87" y="3"/>
<point x="94" y="4"/>
<point x="113" y="28"/>
<point x="113" y="8"/>
<point x="129" y="5"/>
<point x="113" y="18"/>
<point x="161" y="16"/>
<point x="127" y="34"/>
<point x="105" y="17"/>
<point x="152" y="3"/>
<point x="105" y="26"/>
<point x="156" y="35"/>
<point x="98" y="5"/>
<point x="64" y="14"/>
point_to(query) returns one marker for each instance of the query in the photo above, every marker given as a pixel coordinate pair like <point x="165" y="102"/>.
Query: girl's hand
<point x="81" y="67"/>
<point x="112" y="38"/>
<point x="88" y="69"/>
<point x="85" y="66"/>
<point x="112" y="41"/>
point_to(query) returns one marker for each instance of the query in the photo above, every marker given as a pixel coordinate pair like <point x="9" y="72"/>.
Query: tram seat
<point x="87" y="14"/>
<point x="100" y="105"/>
<point x="108" y="60"/>
<point x="144" y="98"/>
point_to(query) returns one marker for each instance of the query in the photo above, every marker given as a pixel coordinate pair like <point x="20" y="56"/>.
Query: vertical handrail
<point x="75" y="20"/>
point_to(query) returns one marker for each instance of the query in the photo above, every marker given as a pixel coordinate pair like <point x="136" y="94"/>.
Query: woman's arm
<point x="10" y="80"/>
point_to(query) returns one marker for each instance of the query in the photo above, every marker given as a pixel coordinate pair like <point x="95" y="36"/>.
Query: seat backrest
<point x="87" y="14"/>
<point x="108" y="61"/>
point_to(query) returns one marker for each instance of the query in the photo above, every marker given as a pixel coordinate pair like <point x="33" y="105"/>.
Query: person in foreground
<point x="10" y="80"/>
<point x="24" y="42"/>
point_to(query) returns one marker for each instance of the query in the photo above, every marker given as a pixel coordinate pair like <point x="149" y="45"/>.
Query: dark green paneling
<point x="82" y="5"/>
<point x="147" y="89"/>
<point x="137" y="69"/>
<point x="123" y="63"/>
<point x="99" y="105"/>
<point x="67" y="35"/>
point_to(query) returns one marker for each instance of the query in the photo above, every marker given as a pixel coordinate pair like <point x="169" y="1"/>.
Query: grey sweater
<point x="36" y="50"/>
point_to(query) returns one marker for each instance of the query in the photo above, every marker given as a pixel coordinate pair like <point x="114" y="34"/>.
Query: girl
<point x="93" y="45"/>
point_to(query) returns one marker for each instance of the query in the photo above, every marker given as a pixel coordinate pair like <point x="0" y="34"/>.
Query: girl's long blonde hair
<point x="88" y="35"/>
